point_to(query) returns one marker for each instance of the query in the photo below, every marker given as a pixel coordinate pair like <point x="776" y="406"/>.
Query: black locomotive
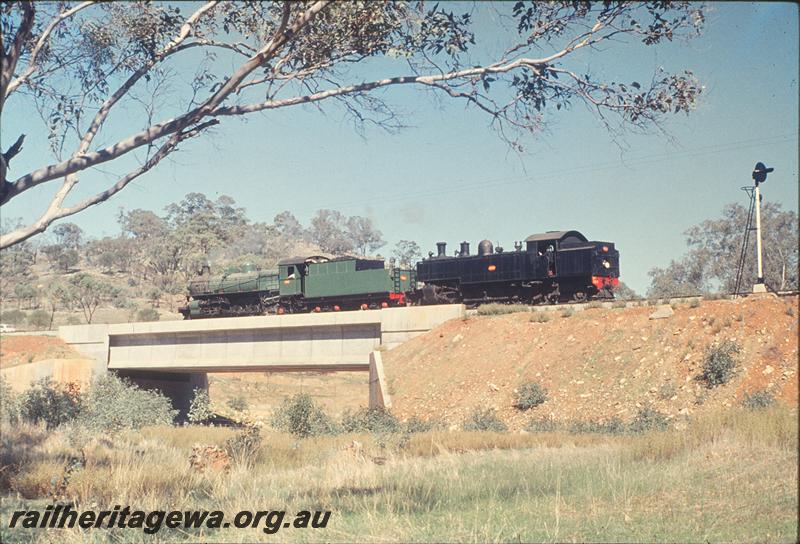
<point x="551" y="267"/>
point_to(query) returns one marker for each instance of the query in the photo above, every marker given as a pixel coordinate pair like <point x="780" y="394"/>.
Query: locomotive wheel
<point x="580" y="296"/>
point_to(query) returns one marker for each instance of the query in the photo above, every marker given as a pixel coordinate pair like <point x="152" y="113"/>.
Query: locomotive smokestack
<point x="464" y="249"/>
<point x="441" y="247"/>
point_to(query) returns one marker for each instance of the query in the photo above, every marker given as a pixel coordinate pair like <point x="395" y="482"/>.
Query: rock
<point x="767" y="370"/>
<point x="663" y="312"/>
<point x="457" y="338"/>
<point x="492" y="386"/>
<point x="206" y="457"/>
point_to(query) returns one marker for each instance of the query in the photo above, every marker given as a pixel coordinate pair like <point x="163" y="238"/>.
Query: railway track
<point x="637" y="303"/>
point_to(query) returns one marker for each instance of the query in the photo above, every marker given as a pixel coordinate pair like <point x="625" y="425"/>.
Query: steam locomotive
<point x="551" y="267"/>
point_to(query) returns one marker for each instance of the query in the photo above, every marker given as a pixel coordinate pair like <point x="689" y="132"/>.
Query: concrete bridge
<point x="175" y="356"/>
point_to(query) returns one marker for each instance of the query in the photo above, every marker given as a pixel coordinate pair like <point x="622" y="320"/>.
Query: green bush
<point x="648" y="419"/>
<point x="114" y="403"/>
<point x="719" y="363"/>
<point x="540" y="317"/>
<point x="483" y="420"/>
<point x="373" y="420"/>
<point x="13" y="317"/>
<point x="243" y="447"/>
<point x="9" y="404"/>
<point x="530" y="395"/>
<point x="667" y="391"/>
<point x="612" y="426"/>
<point x="758" y="400"/>
<point x="50" y="403"/>
<point x="238" y="403"/>
<point x="300" y="416"/>
<point x="542" y="426"/>
<point x="200" y="407"/>
<point x="147" y="314"/>
<point x="499" y="309"/>
<point x="39" y="319"/>
<point x="417" y="425"/>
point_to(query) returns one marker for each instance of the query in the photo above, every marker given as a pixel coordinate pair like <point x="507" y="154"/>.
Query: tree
<point x="714" y="249"/>
<point x="623" y="292"/>
<point x="61" y="258"/>
<point x="69" y="236"/>
<point x="200" y="225"/>
<point x="82" y="64"/>
<point x="363" y="235"/>
<point x="111" y="254"/>
<point x="329" y="231"/>
<point x="407" y="253"/>
<point x="86" y="292"/>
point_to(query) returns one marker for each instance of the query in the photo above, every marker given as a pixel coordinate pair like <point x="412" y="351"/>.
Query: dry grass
<point x="729" y="476"/>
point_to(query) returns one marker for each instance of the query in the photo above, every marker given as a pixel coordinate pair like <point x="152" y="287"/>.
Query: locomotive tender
<point x="550" y="267"/>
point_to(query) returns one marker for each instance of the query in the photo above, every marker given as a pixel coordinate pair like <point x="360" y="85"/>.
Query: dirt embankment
<point x="19" y="350"/>
<point x="596" y="364"/>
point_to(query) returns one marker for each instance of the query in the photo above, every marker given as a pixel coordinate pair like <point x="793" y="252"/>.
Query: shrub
<point x="567" y="312"/>
<point x="694" y="303"/>
<point x="530" y="395"/>
<point x="499" y="309"/>
<point x="72" y="320"/>
<point x="14" y="317"/>
<point x="667" y="391"/>
<point x="39" y="319"/>
<point x="238" y="404"/>
<point x="542" y="426"/>
<point x="619" y="304"/>
<point x="51" y="403"/>
<point x="243" y="447"/>
<point x="712" y="296"/>
<point x="147" y="314"/>
<point x="758" y="400"/>
<point x="417" y="425"/>
<point x="483" y="420"/>
<point x="789" y="312"/>
<point x="594" y="304"/>
<point x="200" y="407"/>
<point x="300" y="416"/>
<point x="9" y="404"/>
<point x="540" y="317"/>
<point x="719" y="363"/>
<point x="373" y="420"/>
<point x="648" y="419"/>
<point x="612" y="426"/>
<point x="114" y="403"/>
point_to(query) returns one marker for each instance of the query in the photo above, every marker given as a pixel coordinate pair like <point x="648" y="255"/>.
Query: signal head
<point x="760" y="173"/>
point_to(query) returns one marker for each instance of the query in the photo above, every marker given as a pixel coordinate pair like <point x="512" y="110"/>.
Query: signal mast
<point x="759" y="176"/>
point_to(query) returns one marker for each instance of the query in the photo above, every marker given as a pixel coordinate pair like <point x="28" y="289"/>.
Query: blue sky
<point x="449" y="177"/>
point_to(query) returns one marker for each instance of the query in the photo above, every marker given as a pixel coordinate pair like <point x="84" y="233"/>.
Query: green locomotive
<point x="300" y="284"/>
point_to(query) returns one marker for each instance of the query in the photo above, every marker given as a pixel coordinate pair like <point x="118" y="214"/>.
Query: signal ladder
<point x="749" y="227"/>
